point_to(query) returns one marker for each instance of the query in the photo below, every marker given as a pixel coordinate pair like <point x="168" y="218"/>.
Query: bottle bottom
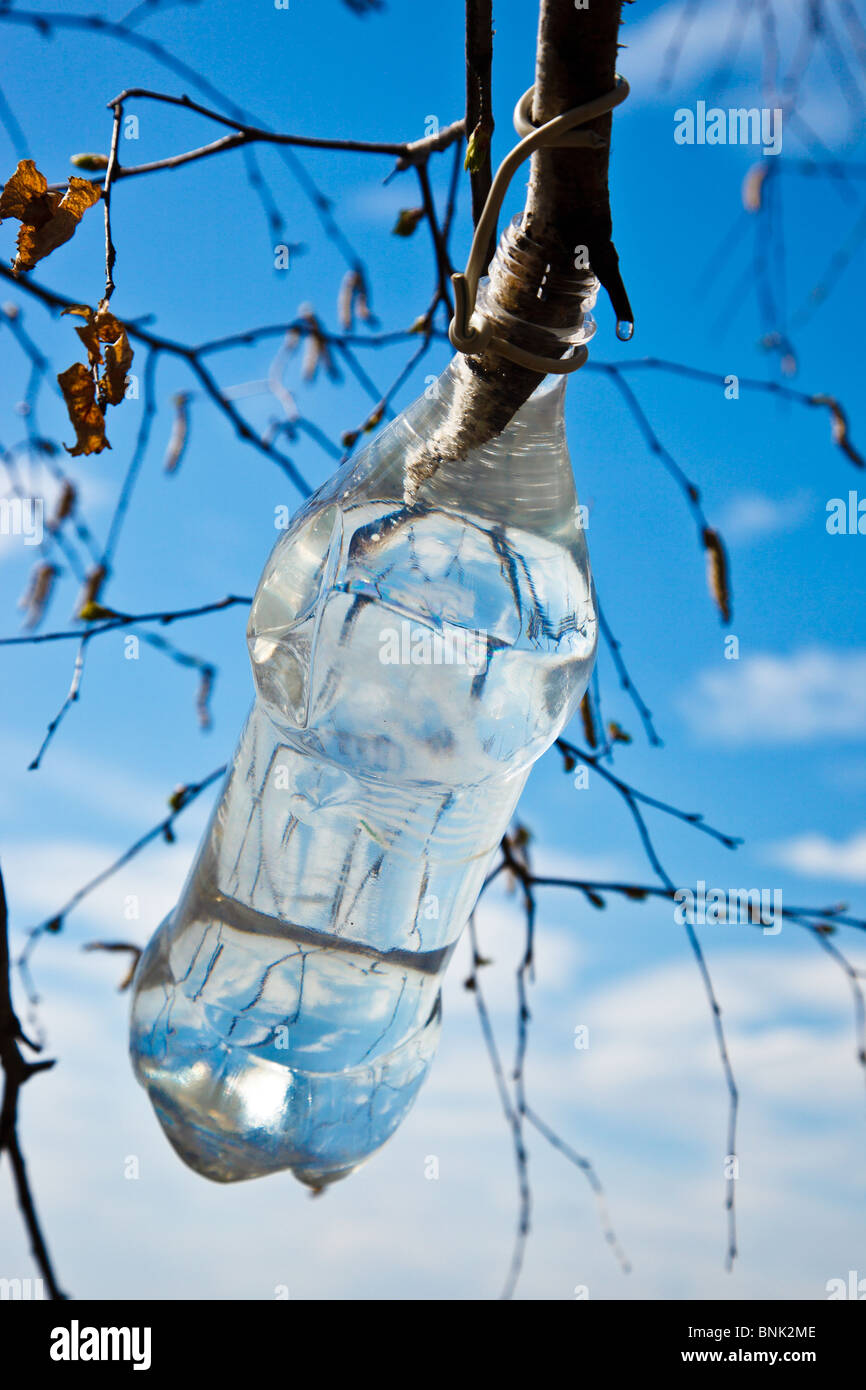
<point x="232" y="1114"/>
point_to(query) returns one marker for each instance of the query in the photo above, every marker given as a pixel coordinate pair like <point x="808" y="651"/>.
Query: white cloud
<point x="752" y="515"/>
<point x="71" y="780"/>
<point x="815" y="693"/>
<point x="41" y="490"/>
<point x="646" y="1102"/>
<point x="704" y="43"/>
<point x="817" y="856"/>
<point x="41" y="876"/>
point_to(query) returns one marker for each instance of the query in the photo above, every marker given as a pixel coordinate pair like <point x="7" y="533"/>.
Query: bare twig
<point x="17" y="1070"/>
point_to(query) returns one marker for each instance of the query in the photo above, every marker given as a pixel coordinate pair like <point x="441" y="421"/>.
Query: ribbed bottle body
<point x="411" y="662"/>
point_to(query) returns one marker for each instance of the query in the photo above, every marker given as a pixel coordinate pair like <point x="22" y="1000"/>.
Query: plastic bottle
<point x="411" y="663"/>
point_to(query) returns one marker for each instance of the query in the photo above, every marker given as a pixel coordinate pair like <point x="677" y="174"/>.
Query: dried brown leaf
<point x="118" y="360"/>
<point x="79" y="393"/>
<point x="25" y="195"/>
<point x="107" y="343"/>
<point x="48" y="219"/>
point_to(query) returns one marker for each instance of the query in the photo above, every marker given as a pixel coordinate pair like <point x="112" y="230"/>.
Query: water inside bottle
<point x="411" y="663"/>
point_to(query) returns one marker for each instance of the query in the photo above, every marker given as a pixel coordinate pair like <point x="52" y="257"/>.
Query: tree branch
<point x="479" y="104"/>
<point x="567" y="206"/>
<point x="16" y="1070"/>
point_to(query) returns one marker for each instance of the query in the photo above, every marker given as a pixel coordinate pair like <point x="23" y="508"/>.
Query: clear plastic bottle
<point x="411" y="663"/>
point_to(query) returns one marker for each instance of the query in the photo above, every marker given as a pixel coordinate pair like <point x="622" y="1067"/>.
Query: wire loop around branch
<point x="469" y="331"/>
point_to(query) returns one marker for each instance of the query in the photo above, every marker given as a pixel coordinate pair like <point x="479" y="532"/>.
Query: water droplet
<point x="624" y="330"/>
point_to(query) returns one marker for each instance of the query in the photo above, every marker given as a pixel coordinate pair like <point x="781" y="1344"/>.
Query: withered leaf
<point x="25" y="196"/>
<point x="88" y="334"/>
<point x="79" y="393"/>
<point x="48" y="219"/>
<point x="617" y="733"/>
<point x="118" y="360"/>
<point x="103" y="330"/>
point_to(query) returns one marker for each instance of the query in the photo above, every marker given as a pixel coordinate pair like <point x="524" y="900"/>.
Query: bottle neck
<point x="522" y="477"/>
<point x="533" y="304"/>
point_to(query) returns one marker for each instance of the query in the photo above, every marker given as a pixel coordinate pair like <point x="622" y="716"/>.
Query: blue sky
<point x="771" y="747"/>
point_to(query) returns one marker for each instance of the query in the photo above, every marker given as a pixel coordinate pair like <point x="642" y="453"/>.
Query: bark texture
<point x="567" y="206"/>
